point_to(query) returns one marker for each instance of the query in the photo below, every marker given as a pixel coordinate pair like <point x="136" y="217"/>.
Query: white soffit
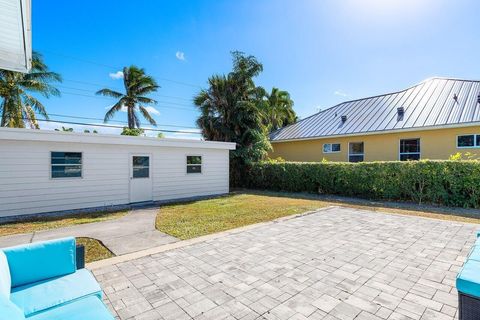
<point x="15" y="35"/>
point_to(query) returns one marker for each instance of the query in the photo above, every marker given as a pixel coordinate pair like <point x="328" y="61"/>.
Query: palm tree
<point x="18" y="106"/>
<point x="137" y="86"/>
<point x="279" y="110"/>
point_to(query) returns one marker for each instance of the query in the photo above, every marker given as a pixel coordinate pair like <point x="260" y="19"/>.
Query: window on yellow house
<point x="355" y="152"/>
<point x="331" y="147"/>
<point x="409" y="149"/>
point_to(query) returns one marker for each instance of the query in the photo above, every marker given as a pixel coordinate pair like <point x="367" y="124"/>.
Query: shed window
<point x="409" y="149"/>
<point x="356" y="152"/>
<point x="140" y="167"/>
<point x="331" y="147"/>
<point x="468" y="141"/>
<point x="66" y="164"/>
<point x="194" y="164"/>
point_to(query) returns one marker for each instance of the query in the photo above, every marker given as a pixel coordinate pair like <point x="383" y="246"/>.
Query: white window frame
<point x="475" y="146"/>
<point x="51" y="177"/>
<point x="191" y="165"/>
<point x="402" y="153"/>
<point x="356" y="154"/>
<point x="331" y="150"/>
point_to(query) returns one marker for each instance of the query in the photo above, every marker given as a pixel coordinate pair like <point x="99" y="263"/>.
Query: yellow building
<point x="432" y="120"/>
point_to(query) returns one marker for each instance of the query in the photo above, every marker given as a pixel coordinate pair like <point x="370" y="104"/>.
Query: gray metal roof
<point x="427" y="104"/>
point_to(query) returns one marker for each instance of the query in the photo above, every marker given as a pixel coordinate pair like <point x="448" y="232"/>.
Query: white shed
<point x="49" y="171"/>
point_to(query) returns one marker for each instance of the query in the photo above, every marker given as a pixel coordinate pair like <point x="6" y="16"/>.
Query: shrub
<point x="449" y="183"/>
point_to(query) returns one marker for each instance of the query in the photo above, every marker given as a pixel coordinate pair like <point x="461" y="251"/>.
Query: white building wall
<point x="26" y="186"/>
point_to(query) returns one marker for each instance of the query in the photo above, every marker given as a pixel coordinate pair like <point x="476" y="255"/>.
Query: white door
<point x="140" y="178"/>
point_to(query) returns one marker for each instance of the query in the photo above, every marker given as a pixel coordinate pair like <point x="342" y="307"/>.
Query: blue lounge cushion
<point x="5" y="280"/>
<point x="468" y="280"/>
<point x="41" y="260"/>
<point x="89" y="308"/>
<point x="36" y="297"/>
<point x="475" y="253"/>
<point x="8" y="310"/>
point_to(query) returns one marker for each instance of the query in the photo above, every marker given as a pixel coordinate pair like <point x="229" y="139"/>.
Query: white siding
<point x="26" y="186"/>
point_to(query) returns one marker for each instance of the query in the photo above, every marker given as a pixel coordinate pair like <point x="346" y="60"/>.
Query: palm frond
<point x="147" y="116"/>
<point x="110" y="113"/>
<point x="109" y="93"/>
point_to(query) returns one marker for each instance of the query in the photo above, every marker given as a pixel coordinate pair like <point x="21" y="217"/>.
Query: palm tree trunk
<point x="131" y="122"/>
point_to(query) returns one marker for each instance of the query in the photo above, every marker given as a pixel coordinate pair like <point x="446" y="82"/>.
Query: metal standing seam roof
<point x="428" y="104"/>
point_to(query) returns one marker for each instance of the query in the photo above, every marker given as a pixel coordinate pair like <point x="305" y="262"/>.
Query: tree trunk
<point x="131" y="122"/>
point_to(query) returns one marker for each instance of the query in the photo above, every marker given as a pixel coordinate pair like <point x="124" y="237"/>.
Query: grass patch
<point x="194" y="219"/>
<point x="94" y="249"/>
<point x="44" y="223"/>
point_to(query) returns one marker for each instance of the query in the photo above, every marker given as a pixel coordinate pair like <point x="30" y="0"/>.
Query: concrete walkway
<point x="132" y="232"/>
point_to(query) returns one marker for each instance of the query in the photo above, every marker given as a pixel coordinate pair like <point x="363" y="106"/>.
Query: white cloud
<point x="180" y="55"/>
<point x="152" y="110"/>
<point x="117" y="75"/>
<point x="340" y="93"/>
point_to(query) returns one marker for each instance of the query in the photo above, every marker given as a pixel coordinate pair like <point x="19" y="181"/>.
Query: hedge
<point x="449" y="183"/>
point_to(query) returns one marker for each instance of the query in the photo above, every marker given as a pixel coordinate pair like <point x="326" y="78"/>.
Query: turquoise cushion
<point x="41" y="260"/>
<point x="36" y="297"/>
<point x="468" y="280"/>
<point x="83" y="309"/>
<point x="475" y="253"/>
<point x="8" y="310"/>
<point x="5" y="280"/>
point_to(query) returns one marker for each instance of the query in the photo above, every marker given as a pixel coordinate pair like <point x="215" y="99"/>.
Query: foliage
<point x="137" y="86"/>
<point x="234" y="109"/>
<point x="64" y="129"/>
<point x="132" y="132"/>
<point x="450" y="183"/>
<point x="464" y="156"/>
<point x="18" y="106"/>
<point x="88" y="131"/>
<point x="160" y="135"/>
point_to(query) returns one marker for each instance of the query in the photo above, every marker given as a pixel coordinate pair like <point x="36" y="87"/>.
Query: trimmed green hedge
<point x="449" y="183"/>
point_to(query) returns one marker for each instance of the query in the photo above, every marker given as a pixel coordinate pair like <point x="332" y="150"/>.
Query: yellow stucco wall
<point x="434" y="144"/>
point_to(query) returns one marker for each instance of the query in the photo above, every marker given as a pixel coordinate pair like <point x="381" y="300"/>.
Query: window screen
<point x="356" y="152"/>
<point x="66" y="164"/>
<point x="194" y="164"/>
<point x="141" y="167"/>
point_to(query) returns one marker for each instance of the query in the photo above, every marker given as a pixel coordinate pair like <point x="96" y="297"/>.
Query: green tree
<point x="137" y="86"/>
<point x="160" y="135"/>
<point x="132" y="132"/>
<point x="65" y="129"/>
<point x="279" y="110"/>
<point x="18" y="106"/>
<point x="232" y="110"/>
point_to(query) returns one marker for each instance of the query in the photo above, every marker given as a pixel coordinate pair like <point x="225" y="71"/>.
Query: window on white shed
<point x="194" y="164"/>
<point x="66" y="164"/>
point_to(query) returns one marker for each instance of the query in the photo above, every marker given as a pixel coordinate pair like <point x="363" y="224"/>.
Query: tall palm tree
<point x="279" y="110"/>
<point x="18" y="106"/>
<point x="137" y="86"/>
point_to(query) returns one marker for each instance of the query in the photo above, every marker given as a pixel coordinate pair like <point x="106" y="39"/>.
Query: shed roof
<point x="435" y="102"/>
<point x="74" y="137"/>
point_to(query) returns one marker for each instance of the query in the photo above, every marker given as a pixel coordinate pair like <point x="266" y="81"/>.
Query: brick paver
<point x="338" y="263"/>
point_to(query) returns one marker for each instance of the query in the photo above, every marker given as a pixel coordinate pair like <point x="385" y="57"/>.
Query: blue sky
<point x="322" y="52"/>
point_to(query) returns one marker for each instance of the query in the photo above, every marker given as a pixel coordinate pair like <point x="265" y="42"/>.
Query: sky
<point x="321" y="52"/>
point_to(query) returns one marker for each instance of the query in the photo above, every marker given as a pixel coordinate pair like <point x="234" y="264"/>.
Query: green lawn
<point x="94" y="249"/>
<point x="190" y="220"/>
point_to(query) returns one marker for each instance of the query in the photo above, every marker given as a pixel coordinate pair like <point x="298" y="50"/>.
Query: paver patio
<point x="337" y="263"/>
